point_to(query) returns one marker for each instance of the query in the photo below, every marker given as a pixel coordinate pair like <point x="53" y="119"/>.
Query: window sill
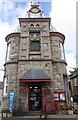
<point x="35" y="53"/>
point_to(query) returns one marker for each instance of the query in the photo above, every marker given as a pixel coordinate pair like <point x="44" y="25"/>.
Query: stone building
<point x="1" y="87"/>
<point x="35" y="65"/>
<point x="73" y="85"/>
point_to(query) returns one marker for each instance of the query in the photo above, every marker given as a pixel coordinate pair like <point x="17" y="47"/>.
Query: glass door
<point x="35" y="98"/>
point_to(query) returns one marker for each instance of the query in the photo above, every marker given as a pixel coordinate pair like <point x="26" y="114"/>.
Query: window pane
<point x="61" y="50"/>
<point x="5" y="85"/>
<point x="75" y="82"/>
<point x="8" y="52"/>
<point x="35" y="46"/>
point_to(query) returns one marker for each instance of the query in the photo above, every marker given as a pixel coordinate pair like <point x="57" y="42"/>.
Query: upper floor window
<point x="35" y="45"/>
<point x="8" y="52"/>
<point x="31" y="25"/>
<point x="5" y="85"/>
<point x="75" y="82"/>
<point x="37" y="25"/>
<point x="61" y="50"/>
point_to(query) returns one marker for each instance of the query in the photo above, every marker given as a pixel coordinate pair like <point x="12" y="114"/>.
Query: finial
<point x="38" y="3"/>
<point x="31" y="3"/>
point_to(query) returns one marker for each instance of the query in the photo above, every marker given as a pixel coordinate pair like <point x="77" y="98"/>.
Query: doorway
<point x="35" y="98"/>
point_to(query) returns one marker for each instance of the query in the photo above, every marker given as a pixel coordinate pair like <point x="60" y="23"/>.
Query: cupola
<point x="35" y="11"/>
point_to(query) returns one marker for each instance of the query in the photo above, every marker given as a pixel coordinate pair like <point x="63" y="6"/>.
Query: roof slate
<point x="74" y="75"/>
<point x="35" y="73"/>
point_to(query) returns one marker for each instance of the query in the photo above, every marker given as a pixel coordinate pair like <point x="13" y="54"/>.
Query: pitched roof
<point x="74" y="75"/>
<point x="35" y="73"/>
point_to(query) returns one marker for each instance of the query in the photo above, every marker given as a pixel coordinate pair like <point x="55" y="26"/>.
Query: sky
<point x="63" y="18"/>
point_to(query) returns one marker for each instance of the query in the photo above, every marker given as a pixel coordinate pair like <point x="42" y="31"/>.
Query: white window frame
<point x="5" y="85"/>
<point x="8" y="51"/>
<point x="75" y="82"/>
<point x="62" y="54"/>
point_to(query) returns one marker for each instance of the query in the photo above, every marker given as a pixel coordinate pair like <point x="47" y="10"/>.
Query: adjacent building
<point x="1" y="87"/>
<point x="35" y="65"/>
<point x="73" y="85"/>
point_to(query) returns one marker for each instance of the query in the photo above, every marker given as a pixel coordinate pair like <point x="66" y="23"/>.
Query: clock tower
<point x="35" y="66"/>
<point x="35" y="11"/>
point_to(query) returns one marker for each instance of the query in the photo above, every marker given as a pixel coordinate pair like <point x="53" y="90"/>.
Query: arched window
<point x="61" y="50"/>
<point x="31" y="25"/>
<point x="5" y="85"/>
<point x="37" y="25"/>
<point x="8" y="52"/>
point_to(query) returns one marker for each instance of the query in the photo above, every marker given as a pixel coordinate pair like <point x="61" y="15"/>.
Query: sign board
<point x="10" y="100"/>
<point x="59" y="96"/>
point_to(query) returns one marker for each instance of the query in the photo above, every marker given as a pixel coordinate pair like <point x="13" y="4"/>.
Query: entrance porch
<point x="34" y="90"/>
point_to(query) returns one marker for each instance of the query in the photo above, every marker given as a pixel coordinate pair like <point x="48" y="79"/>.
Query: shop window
<point x="56" y="96"/>
<point x="59" y="96"/>
<point x="34" y="45"/>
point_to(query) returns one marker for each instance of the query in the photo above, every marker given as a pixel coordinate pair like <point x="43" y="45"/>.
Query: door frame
<point x="41" y="96"/>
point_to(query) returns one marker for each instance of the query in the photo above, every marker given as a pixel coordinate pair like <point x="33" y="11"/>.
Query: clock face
<point x="34" y="10"/>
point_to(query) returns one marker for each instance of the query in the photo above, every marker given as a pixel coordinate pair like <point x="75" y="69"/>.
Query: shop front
<point x="32" y="92"/>
<point x="32" y="96"/>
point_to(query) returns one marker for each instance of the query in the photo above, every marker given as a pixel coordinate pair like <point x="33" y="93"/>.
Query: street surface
<point x="50" y="117"/>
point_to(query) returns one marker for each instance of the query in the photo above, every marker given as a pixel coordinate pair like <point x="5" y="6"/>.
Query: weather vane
<point x="35" y="2"/>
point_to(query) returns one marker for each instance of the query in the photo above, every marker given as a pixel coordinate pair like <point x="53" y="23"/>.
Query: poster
<point x="10" y="100"/>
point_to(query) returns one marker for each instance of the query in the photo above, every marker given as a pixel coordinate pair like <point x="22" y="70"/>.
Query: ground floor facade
<point x="34" y="96"/>
<point x="34" y="87"/>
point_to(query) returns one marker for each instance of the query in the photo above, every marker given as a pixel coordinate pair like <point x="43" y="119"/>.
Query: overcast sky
<point x="63" y="16"/>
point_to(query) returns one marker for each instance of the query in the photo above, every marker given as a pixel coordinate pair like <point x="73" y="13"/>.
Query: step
<point x="31" y="113"/>
<point x="55" y="117"/>
<point x="38" y="119"/>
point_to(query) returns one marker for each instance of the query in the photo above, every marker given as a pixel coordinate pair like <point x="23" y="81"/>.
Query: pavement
<point x="49" y="117"/>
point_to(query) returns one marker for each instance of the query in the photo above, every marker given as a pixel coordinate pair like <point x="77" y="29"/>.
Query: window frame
<point x="35" y="46"/>
<point x="8" y="51"/>
<point x="5" y="91"/>
<point x="62" y="54"/>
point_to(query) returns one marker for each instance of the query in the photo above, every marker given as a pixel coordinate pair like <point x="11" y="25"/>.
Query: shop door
<point x="35" y="101"/>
